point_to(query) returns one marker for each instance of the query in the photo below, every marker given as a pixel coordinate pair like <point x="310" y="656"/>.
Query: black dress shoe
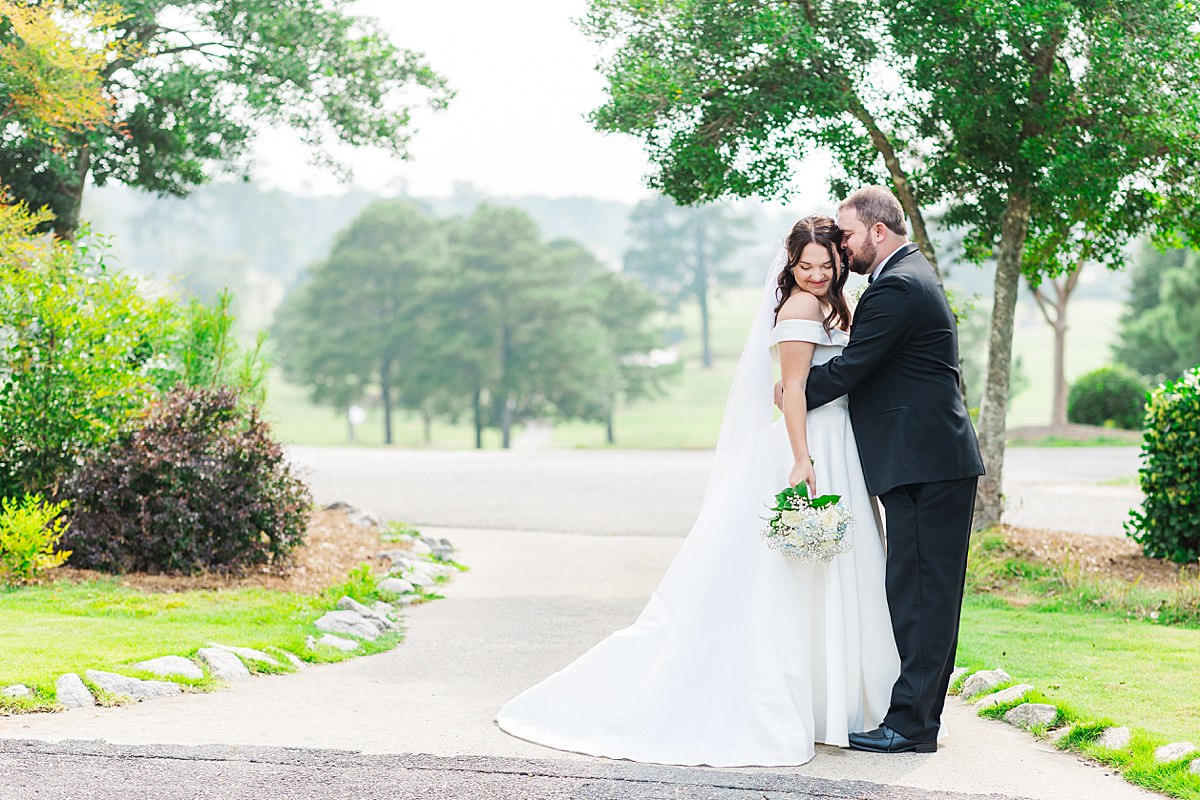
<point x="885" y="740"/>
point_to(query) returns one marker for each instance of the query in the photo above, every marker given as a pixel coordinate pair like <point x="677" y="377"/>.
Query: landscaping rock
<point x="1114" y="738"/>
<point x="167" y="666"/>
<point x="350" y="622"/>
<point x="399" y="559"/>
<point x="16" y="690"/>
<point x="1058" y="735"/>
<point x="983" y="681"/>
<point x="387" y="610"/>
<point x="132" y="687"/>
<point x="1005" y="696"/>
<point x="350" y="604"/>
<point x="1194" y="767"/>
<point x="1028" y="715"/>
<point x="421" y="547"/>
<point x="958" y="673"/>
<point x="247" y="653"/>
<point x="397" y="585"/>
<point x="72" y="693"/>
<point x="329" y="640"/>
<point x="1174" y="751"/>
<point x="223" y="664"/>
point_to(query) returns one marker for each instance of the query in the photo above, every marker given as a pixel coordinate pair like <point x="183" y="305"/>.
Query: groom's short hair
<point x="877" y="204"/>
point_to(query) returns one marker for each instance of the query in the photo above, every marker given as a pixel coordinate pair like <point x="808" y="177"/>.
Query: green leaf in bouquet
<point x="825" y="500"/>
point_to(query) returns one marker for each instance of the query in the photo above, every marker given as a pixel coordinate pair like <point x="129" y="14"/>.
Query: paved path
<point x="658" y="492"/>
<point x="531" y="603"/>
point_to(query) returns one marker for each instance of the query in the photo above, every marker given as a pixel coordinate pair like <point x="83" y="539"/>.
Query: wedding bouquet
<point x="815" y="529"/>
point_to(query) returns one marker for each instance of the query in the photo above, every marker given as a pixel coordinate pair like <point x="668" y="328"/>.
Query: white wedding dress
<point x="742" y="656"/>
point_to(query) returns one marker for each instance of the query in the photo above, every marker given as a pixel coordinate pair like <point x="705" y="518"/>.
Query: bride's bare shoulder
<point x="801" y="305"/>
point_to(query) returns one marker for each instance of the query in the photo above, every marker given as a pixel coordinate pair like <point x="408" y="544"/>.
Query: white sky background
<point x="525" y="78"/>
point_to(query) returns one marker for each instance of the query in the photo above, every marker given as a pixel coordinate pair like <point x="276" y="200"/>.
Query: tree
<point x="1054" y="309"/>
<point x="1160" y="329"/>
<point x="626" y="311"/>
<point x="1015" y="115"/>
<point x="678" y="253"/>
<point x="193" y="81"/>
<point x="358" y="321"/>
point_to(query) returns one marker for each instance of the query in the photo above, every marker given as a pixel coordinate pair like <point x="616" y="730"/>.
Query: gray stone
<point x="1174" y="752"/>
<point x="1114" y="738"/>
<point x="1005" y="696"/>
<point x="1194" y="767"/>
<point x="1059" y="734"/>
<point x="399" y="559"/>
<point x="166" y="666"/>
<point x="983" y="681"/>
<point x="329" y="640"/>
<point x="958" y="673"/>
<point x="421" y="547"/>
<point x="396" y="585"/>
<point x="388" y="611"/>
<point x="17" y="690"/>
<point x="247" y="653"/>
<point x="223" y="664"/>
<point x="350" y="604"/>
<point x="351" y="623"/>
<point x="72" y="693"/>
<point x="1029" y="715"/>
<point x="132" y="687"/>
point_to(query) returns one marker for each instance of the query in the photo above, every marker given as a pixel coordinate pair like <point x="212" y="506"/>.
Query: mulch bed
<point x="1107" y="555"/>
<point x="334" y="547"/>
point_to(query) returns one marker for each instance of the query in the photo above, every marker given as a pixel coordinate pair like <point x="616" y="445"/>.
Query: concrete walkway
<point x="530" y="604"/>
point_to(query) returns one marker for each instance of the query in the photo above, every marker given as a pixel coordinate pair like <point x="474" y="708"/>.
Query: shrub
<point x="199" y="484"/>
<point x="30" y="529"/>
<point x="1108" y="396"/>
<point x="77" y="360"/>
<point x="1168" y="526"/>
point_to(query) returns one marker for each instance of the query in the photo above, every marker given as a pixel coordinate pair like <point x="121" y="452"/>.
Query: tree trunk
<point x="989" y="503"/>
<point x="506" y="421"/>
<point x="386" y="392"/>
<point x="349" y="426"/>
<point x="427" y="419"/>
<point x="66" y="220"/>
<point x="609" y="438"/>
<point x="478" y="409"/>
<point x="1058" y="321"/>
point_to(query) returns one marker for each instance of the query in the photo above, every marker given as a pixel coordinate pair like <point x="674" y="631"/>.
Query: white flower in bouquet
<point x="815" y="529"/>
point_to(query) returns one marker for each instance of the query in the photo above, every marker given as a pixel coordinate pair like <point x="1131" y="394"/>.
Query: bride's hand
<point x="803" y="472"/>
<point x="779" y="395"/>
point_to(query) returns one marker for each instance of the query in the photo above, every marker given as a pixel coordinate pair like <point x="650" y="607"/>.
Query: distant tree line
<point x="470" y="317"/>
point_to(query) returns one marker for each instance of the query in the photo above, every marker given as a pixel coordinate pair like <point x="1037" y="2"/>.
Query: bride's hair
<point x="820" y="230"/>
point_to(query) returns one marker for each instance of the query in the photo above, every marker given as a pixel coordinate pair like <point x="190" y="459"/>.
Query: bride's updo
<point x="821" y="230"/>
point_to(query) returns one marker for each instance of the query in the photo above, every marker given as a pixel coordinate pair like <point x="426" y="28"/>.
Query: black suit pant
<point x="928" y="530"/>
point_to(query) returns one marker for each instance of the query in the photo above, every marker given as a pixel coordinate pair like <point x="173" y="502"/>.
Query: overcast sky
<point x="524" y="76"/>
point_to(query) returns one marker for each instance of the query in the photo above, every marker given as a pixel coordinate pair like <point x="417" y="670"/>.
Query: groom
<point x="918" y="451"/>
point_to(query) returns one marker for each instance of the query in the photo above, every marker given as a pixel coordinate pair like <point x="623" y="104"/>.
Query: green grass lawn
<point x="49" y="630"/>
<point x="1133" y="672"/>
<point x="689" y="415"/>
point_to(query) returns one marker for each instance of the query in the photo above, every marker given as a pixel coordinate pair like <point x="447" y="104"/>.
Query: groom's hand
<point x="779" y="395"/>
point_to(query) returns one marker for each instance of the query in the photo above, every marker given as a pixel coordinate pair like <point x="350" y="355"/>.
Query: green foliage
<point x="197" y="97"/>
<point x="209" y="355"/>
<point x="1168" y="524"/>
<point x="1160" y="329"/>
<point x="81" y="351"/>
<point x="198" y="484"/>
<point x="471" y="316"/>
<point x="1107" y="396"/>
<point x="30" y="529"/>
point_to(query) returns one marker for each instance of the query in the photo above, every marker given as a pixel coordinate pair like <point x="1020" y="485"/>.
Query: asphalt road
<point x="36" y="771"/>
<point x="658" y="492"/>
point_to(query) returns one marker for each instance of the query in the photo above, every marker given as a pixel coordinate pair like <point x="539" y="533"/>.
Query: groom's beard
<point x="861" y="261"/>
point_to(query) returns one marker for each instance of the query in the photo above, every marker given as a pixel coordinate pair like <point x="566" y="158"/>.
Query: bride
<point x="744" y="656"/>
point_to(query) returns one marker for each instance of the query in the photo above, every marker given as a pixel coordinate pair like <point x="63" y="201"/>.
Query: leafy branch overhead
<point x="193" y="82"/>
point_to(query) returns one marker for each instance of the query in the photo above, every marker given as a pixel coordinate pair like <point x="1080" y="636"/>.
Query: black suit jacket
<point x="900" y="371"/>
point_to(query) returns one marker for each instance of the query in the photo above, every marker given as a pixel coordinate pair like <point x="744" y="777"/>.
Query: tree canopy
<point x="192" y="82"/>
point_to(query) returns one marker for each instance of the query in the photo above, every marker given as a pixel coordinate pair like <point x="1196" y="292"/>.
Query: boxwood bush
<point x="1109" y="395"/>
<point x="197" y="484"/>
<point x="1168" y="526"/>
